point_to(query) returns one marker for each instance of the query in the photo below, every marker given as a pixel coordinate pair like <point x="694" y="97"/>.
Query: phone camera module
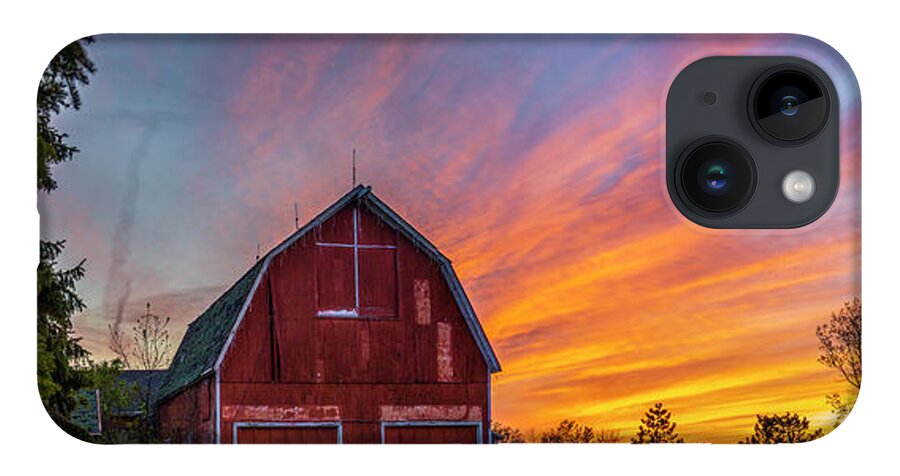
<point x="752" y="142"/>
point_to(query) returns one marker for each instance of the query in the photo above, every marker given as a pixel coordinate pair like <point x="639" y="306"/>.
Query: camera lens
<point x="713" y="177"/>
<point x="789" y="104"/>
<point x="717" y="175"/>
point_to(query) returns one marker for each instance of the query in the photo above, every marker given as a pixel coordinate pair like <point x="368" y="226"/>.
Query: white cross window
<point x="355" y="279"/>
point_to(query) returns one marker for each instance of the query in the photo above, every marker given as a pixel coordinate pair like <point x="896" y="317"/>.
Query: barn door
<point x="431" y="433"/>
<point x="287" y="433"/>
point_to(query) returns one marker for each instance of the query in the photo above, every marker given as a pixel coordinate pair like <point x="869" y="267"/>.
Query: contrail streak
<point x="118" y="280"/>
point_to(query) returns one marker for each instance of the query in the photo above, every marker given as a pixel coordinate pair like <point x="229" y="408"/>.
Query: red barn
<point x="355" y="329"/>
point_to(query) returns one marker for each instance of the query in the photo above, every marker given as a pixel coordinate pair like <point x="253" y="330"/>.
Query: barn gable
<point x="206" y="336"/>
<point x="209" y="336"/>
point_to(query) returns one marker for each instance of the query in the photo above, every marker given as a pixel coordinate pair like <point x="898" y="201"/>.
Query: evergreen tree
<point x="61" y="357"/>
<point x="787" y="428"/>
<point x="657" y="427"/>
<point x="58" y="350"/>
<point x="58" y="90"/>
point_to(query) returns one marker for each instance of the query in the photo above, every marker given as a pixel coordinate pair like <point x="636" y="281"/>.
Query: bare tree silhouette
<point x="607" y="436"/>
<point x="840" y="341"/>
<point x="787" y="428"/>
<point x="840" y="344"/>
<point x="150" y="348"/>
<point x="507" y="433"/>
<point x="569" y="431"/>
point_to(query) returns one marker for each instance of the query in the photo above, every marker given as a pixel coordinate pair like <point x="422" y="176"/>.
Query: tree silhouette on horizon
<point x="786" y="428"/>
<point x="569" y="431"/>
<point x="507" y="434"/>
<point x="657" y="427"/>
<point x="840" y="344"/>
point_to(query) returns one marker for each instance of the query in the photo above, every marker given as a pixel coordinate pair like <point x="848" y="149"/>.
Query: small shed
<point x="355" y="329"/>
<point x="142" y="387"/>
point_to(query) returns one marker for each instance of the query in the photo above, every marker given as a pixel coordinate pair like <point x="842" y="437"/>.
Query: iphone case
<point x="431" y="239"/>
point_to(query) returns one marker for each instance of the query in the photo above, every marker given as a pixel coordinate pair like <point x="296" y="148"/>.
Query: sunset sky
<point x="534" y="164"/>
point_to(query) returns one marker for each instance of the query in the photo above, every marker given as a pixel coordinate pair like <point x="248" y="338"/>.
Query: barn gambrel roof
<point x="208" y="337"/>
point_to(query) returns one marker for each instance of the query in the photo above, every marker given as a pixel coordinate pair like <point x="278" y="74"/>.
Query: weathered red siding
<point x="409" y="357"/>
<point x="189" y="416"/>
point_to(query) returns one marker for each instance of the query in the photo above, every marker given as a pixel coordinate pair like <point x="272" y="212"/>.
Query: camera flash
<point x="798" y="186"/>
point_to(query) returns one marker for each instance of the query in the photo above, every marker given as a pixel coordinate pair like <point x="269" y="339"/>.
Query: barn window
<point x="356" y="280"/>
